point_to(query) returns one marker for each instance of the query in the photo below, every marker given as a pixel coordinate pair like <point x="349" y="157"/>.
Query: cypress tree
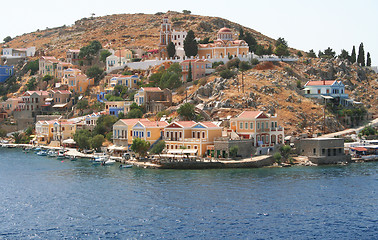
<point x="361" y="55"/>
<point x="368" y="60"/>
<point x="171" y="50"/>
<point x="252" y="43"/>
<point x="353" y="55"/>
<point x="241" y="34"/>
<point x="190" y="45"/>
<point x="190" y="77"/>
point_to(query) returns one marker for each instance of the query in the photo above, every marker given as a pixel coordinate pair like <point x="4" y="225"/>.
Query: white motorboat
<point x="108" y="162"/>
<point x="52" y="153"/>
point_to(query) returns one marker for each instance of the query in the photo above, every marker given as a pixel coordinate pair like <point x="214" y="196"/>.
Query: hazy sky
<point x="305" y="24"/>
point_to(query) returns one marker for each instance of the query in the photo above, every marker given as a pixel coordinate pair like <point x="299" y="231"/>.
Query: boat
<point x="27" y="149"/>
<point x="42" y="153"/>
<point x="37" y="150"/>
<point x="52" y="153"/>
<point x="61" y="154"/>
<point x="73" y="158"/>
<point x="125" y="166"/>
<point x="100" y="157"/>
<point x="108" y="162"/>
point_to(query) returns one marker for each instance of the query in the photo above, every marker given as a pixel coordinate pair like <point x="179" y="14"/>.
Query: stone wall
<point x="245" y="147"/>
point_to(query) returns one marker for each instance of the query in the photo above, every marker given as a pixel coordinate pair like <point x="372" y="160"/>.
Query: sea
<point x="47" y="198"/>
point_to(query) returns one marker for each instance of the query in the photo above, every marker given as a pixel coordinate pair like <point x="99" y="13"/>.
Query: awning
<point x="182" y="151"/>
<point x="60" y="105"/>
<point x="359" y="149"/>
<point x="69" y="141"/>
<point x="327" y="97"/>
<point x="113" y="147"/>
<point x="49" y="99"/>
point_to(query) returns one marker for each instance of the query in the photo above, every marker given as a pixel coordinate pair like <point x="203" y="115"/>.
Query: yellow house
<point x="191" y="135"/>
<point x="63" y="129"/>
<point x="44" y="131"/>
<point x="123" y="132"/>
<point x="260" y="127"/>
<point x="150" y="131"/>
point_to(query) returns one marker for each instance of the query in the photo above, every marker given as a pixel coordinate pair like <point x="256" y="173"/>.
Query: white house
<point x="332" y="89"/>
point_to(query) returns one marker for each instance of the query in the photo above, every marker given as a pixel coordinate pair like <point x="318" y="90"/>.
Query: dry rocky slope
<point x="272" y="88"/>
<point x="125" y="30"/>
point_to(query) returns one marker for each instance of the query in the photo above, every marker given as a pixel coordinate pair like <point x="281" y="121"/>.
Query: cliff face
<point x="125" y="30"/>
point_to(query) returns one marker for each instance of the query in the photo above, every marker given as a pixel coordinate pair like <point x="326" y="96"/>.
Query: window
<point x="148" y="134"/>
<point x="251" y="125"/>
<point x="318" y="91"/>
<point x="314" y="151"/>
<point x="203" y="134"/>
<point x="194" y="134"/>
<point x="267" y="139"/>
<point x="180" y="134"/>
<point x="246" y="125"/>
<point x="323" y="151"/>
<point x="258" y="125"/>
<point x="241" y="125"/>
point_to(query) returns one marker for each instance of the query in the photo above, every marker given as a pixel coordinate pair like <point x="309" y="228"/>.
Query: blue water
<point x="44" y="198"/>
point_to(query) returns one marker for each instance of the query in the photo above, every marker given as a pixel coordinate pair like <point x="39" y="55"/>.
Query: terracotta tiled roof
<point x="150" y="89"/>
<point x="249" y="114"/>
<point x="131" y="121"/>
<point x="185" y="124"/>
<point x="148" y="123"/>
<point x="319" y="83"/>
<point x="209" y="124"/>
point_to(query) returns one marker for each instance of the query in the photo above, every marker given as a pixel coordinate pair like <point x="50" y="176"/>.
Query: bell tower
<point x="165" y="36"/>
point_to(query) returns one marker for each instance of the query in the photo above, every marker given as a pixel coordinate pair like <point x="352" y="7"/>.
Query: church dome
<point x="225" y="30"/>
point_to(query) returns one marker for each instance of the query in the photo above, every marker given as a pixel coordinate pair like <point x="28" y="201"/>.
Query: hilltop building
<point x="167" y="35"/>
<point x="200" y="68"/>
<point x="118" y="58"/>
<point x="224" y="46"/>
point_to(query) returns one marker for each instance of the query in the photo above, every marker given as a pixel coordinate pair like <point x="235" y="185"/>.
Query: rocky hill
<point x="275" y="88"/>
<point x="125" y="30"/>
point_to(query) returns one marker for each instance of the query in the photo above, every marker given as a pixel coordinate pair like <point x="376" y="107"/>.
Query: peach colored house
<point x="224" y="46"/>
<point x="259" y="126"/>
<point x="76" y="80"/>
<point x="191" y="135"/>
<point x="150" y="131"/>
<point x="200" y="68"/>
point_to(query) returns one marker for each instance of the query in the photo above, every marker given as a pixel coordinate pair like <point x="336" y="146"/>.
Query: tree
<point x="171" y="49"/>
<point x="33" y="66"/>
<point x="281" y="41"/>
<point x="190" y="45"/>
<point x="82" y="104"/>
<point x="241" y="34"/>
<point x="367" y="131"/>
<point x="277" y="157"/>
<point x="96" y="142"/>
<point x="32" y="83"/>
<point x="186" y="12"/>
<point x="353" y="55"/>
<point x="134" y="113"/>
<point x="47" y="78"/>
<point x="311" y="54"/>
<point x="94" y="72"/>
<point x="361" y="55"/>
<point x="285" y="151"/>
<point x="29" y="131"/>
<point x="186" y="110"/>
<point x="244" y="66"/>
<point x="104" y="124"/>
<point x="140" y="146"/>
<point x="190" y="74"/>
<point x="89" y="51"/>
<point x="104" y="54"/>
<point x="227" y="74"/>
<point x="299" y="54"/>
<point x="329" y="52"/>
<point x="158" y="147"/>
<point x="82" y="138"/>
<point x="252" y="43"/>
<point x="344" y="54"/>
<point x="17" y="137"/>
<point x="368" y="60"/>
<point x="234" y="151"/>
<point x="281" y="50"/>
<point x="121" y="115"/>
<point x="260" y="50"/>
<point x="7" y="39"/>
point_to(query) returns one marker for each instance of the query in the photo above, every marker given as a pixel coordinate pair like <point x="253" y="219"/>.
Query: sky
<point x="305" y="24"/>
